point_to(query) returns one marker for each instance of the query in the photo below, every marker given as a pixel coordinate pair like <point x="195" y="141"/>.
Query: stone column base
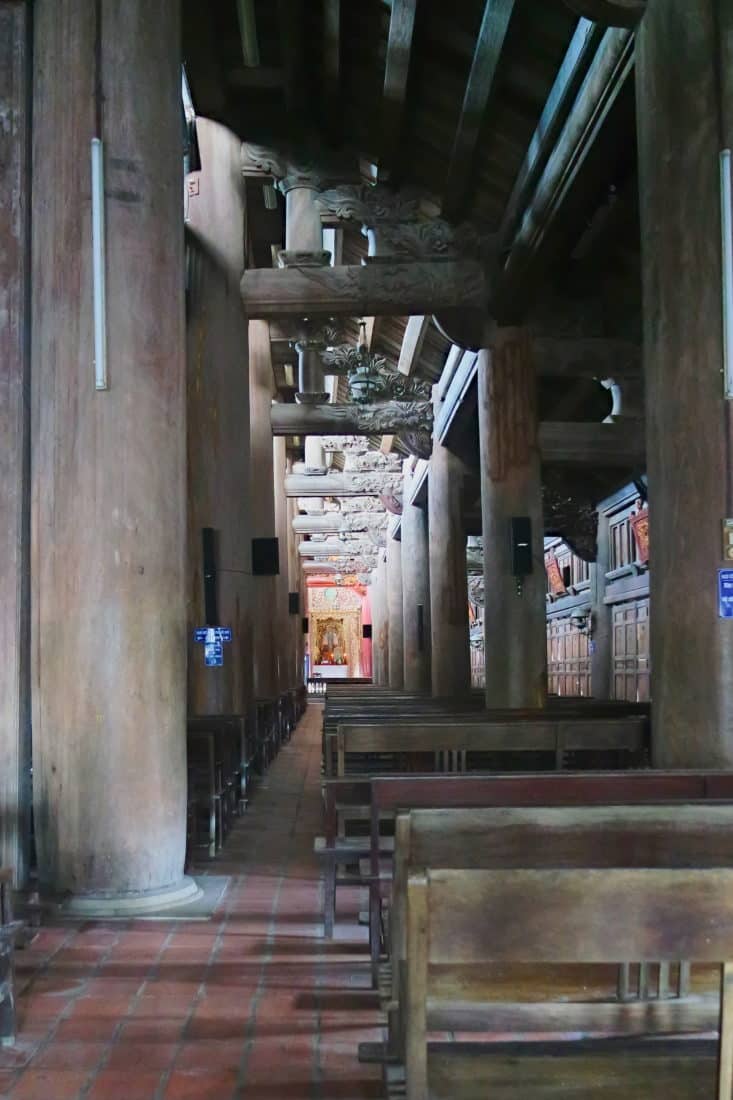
<point x="133" y="904"/>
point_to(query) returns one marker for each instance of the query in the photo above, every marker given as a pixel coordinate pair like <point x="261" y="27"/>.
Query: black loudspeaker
<point x="521" y="533"/>
<point x="420" y="628"/>
<point x="366" y="630"/>
<point x="294" y="603"/>
<point x="305" y="626"/>
<point x="208" y="544"/>
<point x="265" y="557"/>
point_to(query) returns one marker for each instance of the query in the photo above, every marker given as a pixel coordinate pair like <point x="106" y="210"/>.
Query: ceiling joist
<point x="397" y="69"/>
<point x="489" y="46"/>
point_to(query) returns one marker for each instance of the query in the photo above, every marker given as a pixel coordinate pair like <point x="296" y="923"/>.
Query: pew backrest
<point x="561" y="916"/>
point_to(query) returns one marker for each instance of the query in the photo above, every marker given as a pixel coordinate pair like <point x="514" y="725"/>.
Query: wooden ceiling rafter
<point x="489" y="46"/>
<point x="610" y="13"/>
<point x="412" y="343"/>
<point x="396" y="74"/>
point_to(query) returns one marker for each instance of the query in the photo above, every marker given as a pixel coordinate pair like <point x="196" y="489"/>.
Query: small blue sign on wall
<point x="213" y="638"/>
<point x="725" y="593"/>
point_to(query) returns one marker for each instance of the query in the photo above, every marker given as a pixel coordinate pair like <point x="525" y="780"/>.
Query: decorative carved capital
<point x="369" y="205"/>
<point x="380" y="419"/>
<point x="303" y="164"/>
<point x="287" y="257"/>
<point x="476" y="593"/>
<point x="419" y="444"/>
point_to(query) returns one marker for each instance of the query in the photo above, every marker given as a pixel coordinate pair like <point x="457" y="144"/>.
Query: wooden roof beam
<point x="248" y="33"/>
<point x="396" y="72"/>
<point x="607" y="77"/>
<point x="332" y="68"/>
<point x="611" y="13"/>
<point x="386" y="289"/>
<point x="489" y="46"/>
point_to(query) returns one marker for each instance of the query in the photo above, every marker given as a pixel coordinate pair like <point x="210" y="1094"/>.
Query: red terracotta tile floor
<point x="252" y="1005"/>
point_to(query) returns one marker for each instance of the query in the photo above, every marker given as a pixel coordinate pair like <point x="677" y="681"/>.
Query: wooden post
<point x="109" y="467"/>
<point x="218" y="421"/>
<point x="682" y="127"/>
<point x="15" y="791"/>
<point x="514" y="615"/>
<point x="601" y="634"/>
<point x="416" y="598"/>
<point x="396" y="674"/>
<point x="380" y="625"/>
<point x="450" y="654"/>
<point x="262" y="517"/>
<point x="283" y="636"/>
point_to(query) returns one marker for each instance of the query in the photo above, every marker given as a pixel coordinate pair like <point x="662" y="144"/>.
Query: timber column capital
<point x="398" y="227"/>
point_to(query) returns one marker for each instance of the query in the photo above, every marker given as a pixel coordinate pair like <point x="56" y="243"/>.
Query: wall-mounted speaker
<point x="265" y="557"/>
<point x="294" y="603"/>
<point x="305" y="626"/>
<point x="521" y="535"/>
<point x="366" y="630"/>
<point x="420" y="628"/>
<point x="208" y="546"/>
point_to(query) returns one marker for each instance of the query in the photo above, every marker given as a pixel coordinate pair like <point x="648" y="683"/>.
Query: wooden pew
<point x="552" y="736"/>
<point x="668" y="836"/>
<point x="390" y="794"/>
<point x="585" y="916"/>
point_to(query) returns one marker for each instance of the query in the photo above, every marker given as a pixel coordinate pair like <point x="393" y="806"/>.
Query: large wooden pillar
<point x="109" y="467"/>
<point x="284" y="658"/>
<point x="396" y="672"/>
<point x="416" y="598"/>
<point x="450" y="655"/>
<point x="685" y="117"/>
<point x="380" y="625"/>
<point x="15" y="436"/>
<point x="262" y="518"/>
<point x="218" y="422"/>
<point x="514" y="608"/>
<point x="601" y="642"/>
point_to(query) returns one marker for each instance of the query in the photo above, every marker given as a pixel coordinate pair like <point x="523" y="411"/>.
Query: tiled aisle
<point x="254" y="1004"/>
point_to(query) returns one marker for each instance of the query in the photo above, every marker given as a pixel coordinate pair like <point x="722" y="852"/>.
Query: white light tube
<point x="726" y="223"/>
<point x="99" y="274"/>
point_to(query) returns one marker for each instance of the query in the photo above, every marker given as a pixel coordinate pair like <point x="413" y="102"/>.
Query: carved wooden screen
<point x="568" y="659"/>
<point x="631" y="651"/>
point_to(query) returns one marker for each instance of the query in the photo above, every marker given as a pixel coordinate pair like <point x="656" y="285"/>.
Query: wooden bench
<point x="390" y="794"/>
<point x="496" y="736"/>
<point x="583" y="916"/>
<point x="669" y="836"/>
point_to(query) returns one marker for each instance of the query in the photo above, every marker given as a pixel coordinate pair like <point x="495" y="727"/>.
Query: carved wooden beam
<point x="333" y="547"/>
<point x="611" y="13"/>
<point x="340" y="523"/>
<point x="607" y="77"/>
<point x="392" y="416"/>
<point x="620" y="444"/>
<point x="589" y="358"/>
<point x="489" y="46"/>
<point x="412" y="342"/>
<point x="342" y="485"/>
<point x="386" y="290"/>
<point x="397" y="67"/>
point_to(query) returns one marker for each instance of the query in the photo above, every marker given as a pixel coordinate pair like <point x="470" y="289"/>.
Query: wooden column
<point x="450" y="656"/>
<point x="514" y="609"/>
<point x="416" y="598"/>
<point x="295" y="584"/>
<point x="262" y="518"/>
<point x="15" y="792"/>
<point x="218" y="422"/>
<point x="284" y="656"/>
<point x="380" y="625"/>
<point x="396" y="674"/>
<point x="601" y="637"/>
<point x="685" y="119"/>
<point x="109" y="467"/>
